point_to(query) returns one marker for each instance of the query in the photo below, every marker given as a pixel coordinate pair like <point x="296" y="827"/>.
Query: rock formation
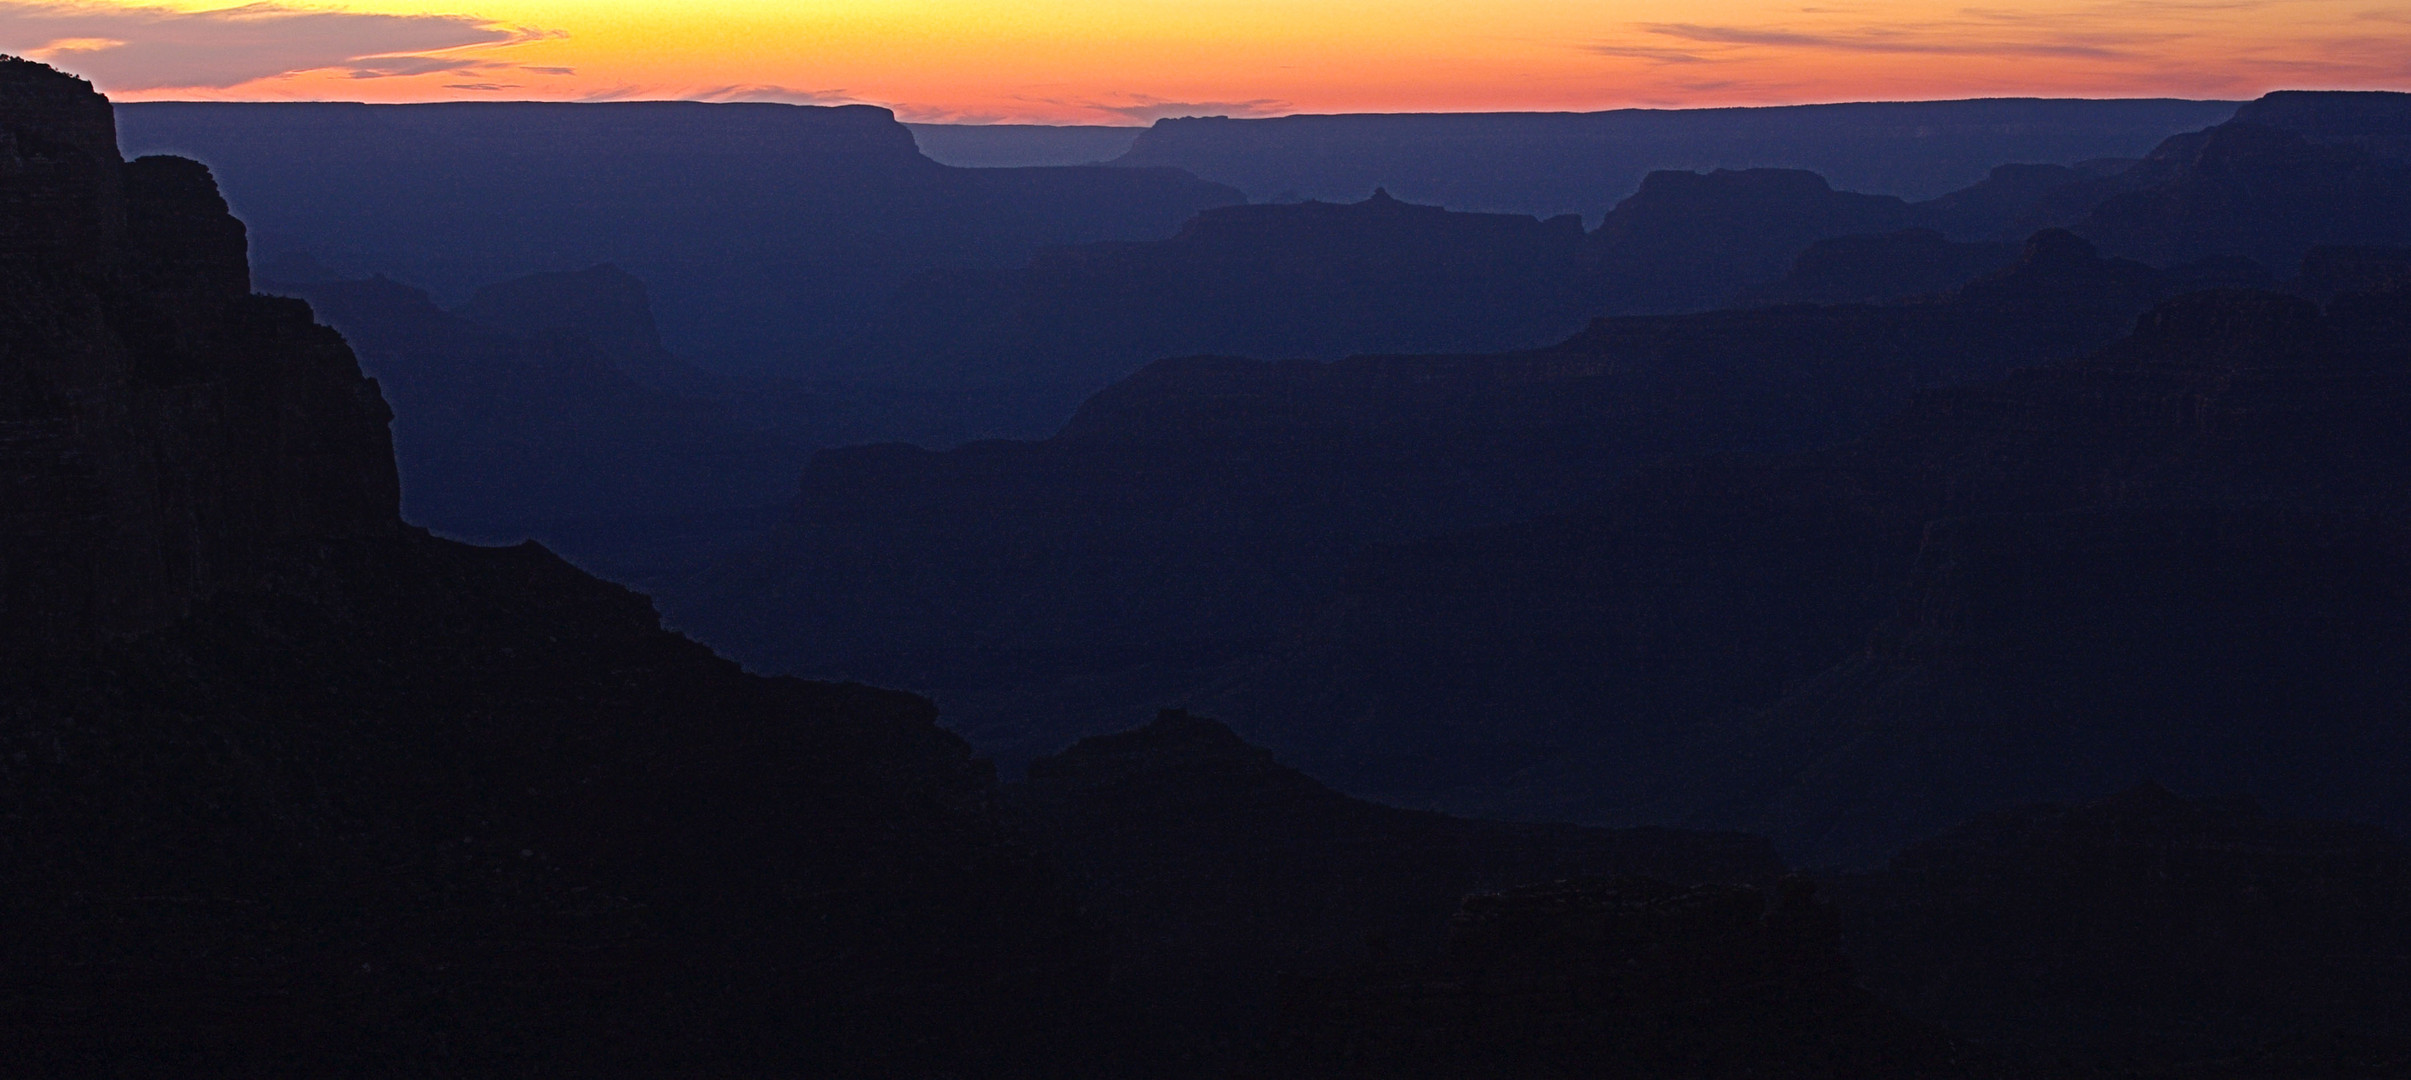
<point x="288" y="788"/>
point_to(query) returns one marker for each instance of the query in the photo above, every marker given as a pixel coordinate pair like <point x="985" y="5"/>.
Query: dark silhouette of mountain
<point x="766" y="231"/>
<point x="1219" y="871"/>
<point x="294" y="789"/>
<point x="1617" y="977"/>
<point x="2291" y="172"/>
<point x="1690" y="242"/>
<point x="2167" y="562"/>
<point x="1046" y="590"/>
<point x="2016" y="201"/>
<point x="1871" y="269"/>
<point x="546" y="409"/>
<point x="1004" y="146"/>
<point x="2146" y="929"/>
<point x="1012" y="353"/>
<point x="1022" y="348"/>
<point x="1546" y="164"/>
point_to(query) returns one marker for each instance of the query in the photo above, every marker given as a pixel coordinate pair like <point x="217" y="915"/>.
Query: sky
<point x="1131" y="61"/>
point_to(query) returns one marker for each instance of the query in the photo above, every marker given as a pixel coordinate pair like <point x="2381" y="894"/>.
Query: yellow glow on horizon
<point x="1109" y="61"/>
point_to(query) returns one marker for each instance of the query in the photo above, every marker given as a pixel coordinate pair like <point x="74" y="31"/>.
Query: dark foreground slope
<point x="1563" y="163"/>
<point x="291" y="789"/>
<point x="765" y="230"/>
<point x="1220" y="870"/>
<point x="2144" y="929"/>
<point x="2173" y="561"/>
<point x="1052" y="589"/>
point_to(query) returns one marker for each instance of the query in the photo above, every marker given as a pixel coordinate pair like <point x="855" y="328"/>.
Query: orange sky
<point x="1128" y="61"/>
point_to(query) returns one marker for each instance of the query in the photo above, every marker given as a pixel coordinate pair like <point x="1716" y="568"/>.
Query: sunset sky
<point x="1129" y="61"/>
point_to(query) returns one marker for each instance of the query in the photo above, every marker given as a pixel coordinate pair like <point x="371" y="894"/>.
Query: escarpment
<point x="290" y="788"/>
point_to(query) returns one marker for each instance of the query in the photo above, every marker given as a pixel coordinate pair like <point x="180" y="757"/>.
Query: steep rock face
<point x="546" y="410"/>
<point x="1219" y="870"/>
<point x="2304" y="170"/>
<point x="1049" y="590"/>
<point x="1614" y="977"/>
<point x="1692" y="241"/>
<point x="165" y="429"/>
<point x="2147" y="929"/>
<point x="290" y="789"/>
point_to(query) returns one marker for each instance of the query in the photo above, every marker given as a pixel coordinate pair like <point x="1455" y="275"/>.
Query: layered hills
<point x="1547" y="164"/>
<point x="2164" y="562"/>
<point x="1189" y="513"/>
<point x="764" y="230"/>
<point x="289" y="787"/>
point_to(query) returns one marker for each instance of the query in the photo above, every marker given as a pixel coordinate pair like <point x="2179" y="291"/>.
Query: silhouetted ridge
<point x="767" y="232"/>
<point x="294" y="789"/>
<point x="2303" y="172"/>
<point x="1219" y="870"/>
<point x="1581" y="163"/>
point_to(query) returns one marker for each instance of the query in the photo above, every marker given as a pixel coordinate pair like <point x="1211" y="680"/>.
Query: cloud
<point x="129" y="47"/>
<point x="1150" y="109"/>
<point x="1893" y="40"/>
<point x="784" y="95"/>
<point x="1653" y="53"/>
<point x="485" y="86"/>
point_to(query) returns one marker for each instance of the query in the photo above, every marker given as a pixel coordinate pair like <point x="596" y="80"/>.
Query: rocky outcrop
<point x="288" y="788"/>
<point x="2286" y="175"/>
<point x="1694" y="241"/>
<point x="166" y="431"/>
<point x="546" y="409"/>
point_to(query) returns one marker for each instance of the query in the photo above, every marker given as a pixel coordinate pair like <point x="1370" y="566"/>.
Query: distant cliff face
<point x="766" y="231"/>
<point x="2291" y="172"/>
<point x="167" y="433"/>
<point x="1556" y="163"/>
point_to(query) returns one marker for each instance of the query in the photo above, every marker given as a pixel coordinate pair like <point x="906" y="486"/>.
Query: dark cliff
<point x="2291" y="172"/>
<point x="166" y="431"/>
<point x="289" y="788"/>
